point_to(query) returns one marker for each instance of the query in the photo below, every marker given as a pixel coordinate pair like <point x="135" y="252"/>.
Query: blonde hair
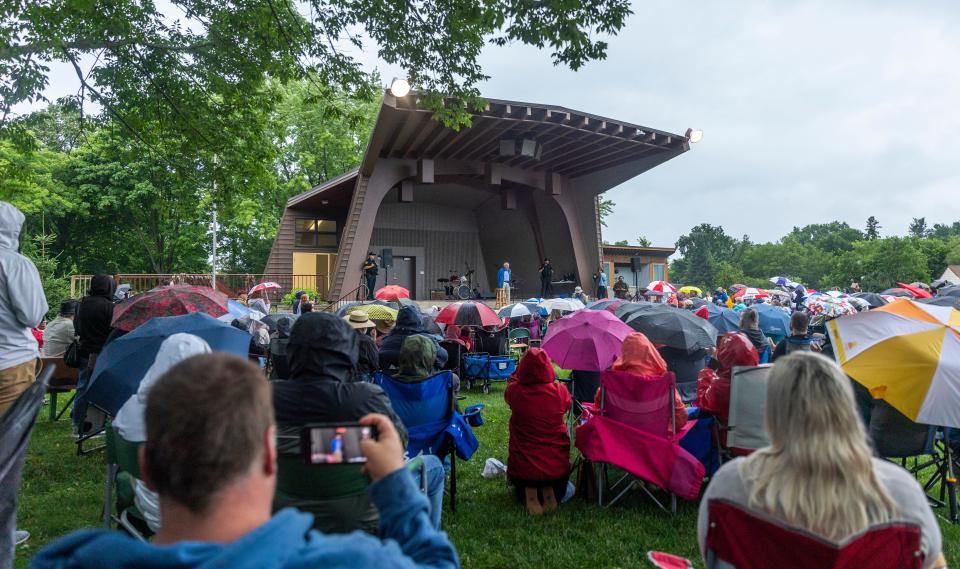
<point x="817" y="473"/>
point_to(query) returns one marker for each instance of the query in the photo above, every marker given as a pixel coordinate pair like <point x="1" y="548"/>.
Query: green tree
<point x="944" y="232"/>
<point x="622" y="243"/>
<point x="643" y="241"/>
<point x="873" y="228"/>
<point x="952" y="257"/>
<point x="830" y="237"/>
<point x="701" y="252"/>
<point x="879" y="264"/>
<point x="918" y="227"/>
<point x="605" y="208"/>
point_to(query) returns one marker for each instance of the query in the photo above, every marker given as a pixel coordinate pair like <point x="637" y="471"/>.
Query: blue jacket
<point x="503" y="275"/>
<point x="286" y="541"/>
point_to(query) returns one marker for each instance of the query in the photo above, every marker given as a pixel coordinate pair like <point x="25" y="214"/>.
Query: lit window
<point x="320" y="233"/>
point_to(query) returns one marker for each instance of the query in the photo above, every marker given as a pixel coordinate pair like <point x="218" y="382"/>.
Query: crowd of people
<point x="217" y="438"/>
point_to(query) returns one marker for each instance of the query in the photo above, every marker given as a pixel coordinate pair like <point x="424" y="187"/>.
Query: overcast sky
<point x="812" y="111"/>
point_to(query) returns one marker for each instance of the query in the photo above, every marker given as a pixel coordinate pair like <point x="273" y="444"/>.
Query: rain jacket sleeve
<point x="27" y="299"/>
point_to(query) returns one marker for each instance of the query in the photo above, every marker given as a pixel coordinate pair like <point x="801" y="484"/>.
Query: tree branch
<point x="15" y="51"/>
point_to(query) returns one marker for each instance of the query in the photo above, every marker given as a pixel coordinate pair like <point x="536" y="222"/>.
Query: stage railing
<point x="230" y="284"/>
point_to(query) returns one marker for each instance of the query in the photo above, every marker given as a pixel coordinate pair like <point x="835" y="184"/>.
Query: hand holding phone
<point x="385" y="453"/>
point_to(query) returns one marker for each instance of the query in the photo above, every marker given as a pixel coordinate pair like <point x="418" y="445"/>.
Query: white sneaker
<point x="20" y="536"/>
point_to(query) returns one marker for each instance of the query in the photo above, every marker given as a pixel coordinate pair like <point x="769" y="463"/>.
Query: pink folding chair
<point x="633" y="432"/>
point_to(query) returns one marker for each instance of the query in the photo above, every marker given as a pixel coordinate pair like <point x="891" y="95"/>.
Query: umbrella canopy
<point x="823" y="307"/>
<point x="123" y="362"/>
<point x="671" y="327"/>
<point x="262" y="287"/>
<point x="775" y="292"/>
<point x="872" y="298"/>
<point x="773" y="321"/>
<point x="784" y="282"/>
<point x="691" y="290"/>
<point x="273" y="320"/>
<point x="234" y="310"/>
<point x="392" y="292"/>
<point x="562" y="304"/>
<point x="375" y="311"/>
<point x="608" y="305"/>
<point x="751" y="292"/>
<point x="468" y="313"/>
<point x="858" y="303"/>
<point x="518" y="310"/>
<point x="901" y="292"/>
<point x="951" y="301"/>
<point x="589" y="340"/>
<point x="168" y="301"/>
<point x="916" y="290"/>
<point x="908" y="354"/>
<point x="348" y="306"/>
<point x="403" y="301"/>
<point x="953" y="291"/>
<point x="723" y="319"/>
<point x="662" y="287"/>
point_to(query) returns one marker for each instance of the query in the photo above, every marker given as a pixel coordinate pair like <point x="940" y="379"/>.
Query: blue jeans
<point x="80" y="400"/>
<point x="436" y="477"/>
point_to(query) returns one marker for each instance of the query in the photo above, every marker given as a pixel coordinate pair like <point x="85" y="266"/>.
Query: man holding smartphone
<point x="214" y="467"/>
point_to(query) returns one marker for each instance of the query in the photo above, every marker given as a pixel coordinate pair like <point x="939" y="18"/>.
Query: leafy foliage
<point x="873" y="228"/>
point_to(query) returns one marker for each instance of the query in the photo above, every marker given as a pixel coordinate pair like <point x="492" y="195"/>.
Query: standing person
<point x="602" y="282"/>
<point x="93" y="325"/>
<point x="578" y="294"/>
<point x="60" y="332"/>
<point x="22" y="307"/>
<point x="504" y="280"/>
<point x="295" y="305"/>
<point x="370" y="271"/>
<point x="546" y="279"/>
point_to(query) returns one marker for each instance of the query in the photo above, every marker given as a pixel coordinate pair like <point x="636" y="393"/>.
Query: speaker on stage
<point x="386" y="258"/>
<point x="636" y="264"/>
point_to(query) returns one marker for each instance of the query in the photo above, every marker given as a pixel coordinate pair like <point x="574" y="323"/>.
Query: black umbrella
<point x="672" y="327"/>
<point x="953" y="291"/>
<point x="896" y="291"/>
<point x="628" y="307"/>
<point x="429" y="325"/>
<point x="942" y="301"/>
<point x="872" y="298"/>
<point x="273" y="320"/>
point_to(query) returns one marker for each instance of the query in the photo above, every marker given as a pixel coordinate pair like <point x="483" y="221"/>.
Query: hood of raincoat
<point x="11" y="222"/>
<point x="535" y="367"/>
<point x="408" y="320"/>
<point x="735" y="349"/>
<point x="283" y="326"/>
<point x="639" y="357"/>
<point x="417" y="357"/>
<point x="322" y="346"/>
<point x="102" y="285"/>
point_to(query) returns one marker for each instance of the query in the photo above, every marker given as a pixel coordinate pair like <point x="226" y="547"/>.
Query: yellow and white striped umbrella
<point x="906" y="353"/>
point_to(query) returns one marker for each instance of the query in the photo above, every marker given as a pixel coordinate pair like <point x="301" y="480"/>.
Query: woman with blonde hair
<point x="818" y="472"/>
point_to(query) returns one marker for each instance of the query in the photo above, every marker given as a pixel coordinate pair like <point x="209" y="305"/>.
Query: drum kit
<point x="459" y="286"/>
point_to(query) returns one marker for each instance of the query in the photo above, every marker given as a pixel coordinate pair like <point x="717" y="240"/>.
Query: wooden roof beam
<point x="423" y="133"/>
<point x="604" y="162"/>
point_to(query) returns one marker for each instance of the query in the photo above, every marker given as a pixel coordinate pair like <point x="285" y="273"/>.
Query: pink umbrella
<point x="589" y="340"/>
<point x="262" y="286"/>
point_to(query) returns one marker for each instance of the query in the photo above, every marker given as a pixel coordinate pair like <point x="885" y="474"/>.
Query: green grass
<point x="62" y="492"/>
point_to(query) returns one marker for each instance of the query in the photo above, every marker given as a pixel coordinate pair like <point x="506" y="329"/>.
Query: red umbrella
<point x="468" y="313"/>
<point x="751" y="292"/>
<point x="168" y="301"/>
<point x="262" y="286"/>
<point x="392" y="292"/>
<point x="915" y="291"/>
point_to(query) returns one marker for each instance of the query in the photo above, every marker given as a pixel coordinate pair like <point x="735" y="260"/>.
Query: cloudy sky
<point x="812" y="111"/>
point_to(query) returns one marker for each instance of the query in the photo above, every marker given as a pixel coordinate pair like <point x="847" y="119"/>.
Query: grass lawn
<point x="62" y="492"/>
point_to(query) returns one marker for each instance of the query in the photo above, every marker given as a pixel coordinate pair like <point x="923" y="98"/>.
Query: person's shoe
<point x="533" y="502"/>
<point x="549" y="499"/>
<point x="20" y="536"/>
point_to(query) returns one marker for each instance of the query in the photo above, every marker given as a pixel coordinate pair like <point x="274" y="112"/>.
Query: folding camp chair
<point x="455" y="351"/>
<point x="63" y="380"/>
<point x="746" y="430"/>
<point x="519" y="341"/>
<point x="633" y="432"/>
<point x="15" y="428"/>
<point x="122" y="467"/>
<point x="428" y="411"/>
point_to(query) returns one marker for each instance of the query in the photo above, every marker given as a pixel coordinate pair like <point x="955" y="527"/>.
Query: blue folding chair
<point x="434" y="426"/>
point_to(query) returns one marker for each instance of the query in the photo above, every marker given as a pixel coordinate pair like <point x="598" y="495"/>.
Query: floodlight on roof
<point x="694" y="136"/>
<point x="399" y="87"/>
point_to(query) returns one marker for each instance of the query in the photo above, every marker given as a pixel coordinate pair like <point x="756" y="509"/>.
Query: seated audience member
<point x="409" y="323"/>
<point x="369" y="358"/>
<point x="418" y="358"/>
<point x="798" y="340"/>
<point x="686" y="367"/>
<point x="539" y="451"/>
<point x="323" y="353"/>
<point x="306" y="307"/>
<point x="460" y="335"/>
<point x="750" y="326"/>
<point x="713" y="387"/>
<point x="214" y="467"/>
<point x="640" y="358"/>
<point x="129" y="421"/>
<point x="279" y="365"/>
<point x="818" y="473"/>
<point x="60" y="333"/>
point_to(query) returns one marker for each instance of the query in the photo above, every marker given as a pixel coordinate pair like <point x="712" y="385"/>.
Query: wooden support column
<point x="425" y="171"/>
<point x="508" y="197"/>
<point x="554" y="184"/>
<point x="406" y="191"/>
<point x="493" y="173"/>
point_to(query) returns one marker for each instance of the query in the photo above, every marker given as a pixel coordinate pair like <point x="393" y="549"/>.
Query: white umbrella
<point x="562" y="304"/>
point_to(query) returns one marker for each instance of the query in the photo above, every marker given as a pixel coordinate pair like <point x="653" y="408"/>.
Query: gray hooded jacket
<point x="22" y="302"/>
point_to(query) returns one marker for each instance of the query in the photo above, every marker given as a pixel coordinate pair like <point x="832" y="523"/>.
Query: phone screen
<point x="335" y="444"/>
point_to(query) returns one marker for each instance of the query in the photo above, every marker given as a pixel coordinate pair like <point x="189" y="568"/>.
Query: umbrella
<point x="908" y="354"/>
<point x="890" y="298"/>
<point x="773" y="321"/>
<point x="784" y="282"/>
<point x="823" y="307"/>
<point x="916" y="290"/>
<point x="562" y="304"/>
<point x="779" y="293"/>
<point x="872" y="298"/>
<point x="168" y="301"/>
<point x="122" y="292"/>
<point x="953" y="291"/>
<point x="942" y="301"/>
<point x="901" y="292"/>
<point x="751" y="292"/>
<point x="517" y="310"/>
<point x="349" y="306"/>
<point x="698" y="302"/>
<point x="723" y="319"/>
<point x="263" y="286"/>
<point x="665" y="325"/>
<point x="123" y="362"/>
<point x="469" y="313"/>
<point x="662" y="287"/>
<point x="273" y="320"/>
<point x="402" y="301"/>
<point x="608" y="305"/>
<point x="691" y="290"/>
<point x="392" y="292"/>
<point x="235" y="310"/>
<point x="375" y="311"/>
<point x="588" y="341"/>
<point x="858" y="303"/>
<point x="429" y="325"/>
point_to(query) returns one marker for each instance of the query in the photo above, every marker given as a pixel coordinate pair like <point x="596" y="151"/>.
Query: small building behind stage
<point x="519" y="185"/>
<point x="637" y="265"/>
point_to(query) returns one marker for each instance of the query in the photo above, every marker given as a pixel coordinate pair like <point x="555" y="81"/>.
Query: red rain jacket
<point x="539" y="444"/>
<point x="713" y="389"/>
<point x="640" y="357"/>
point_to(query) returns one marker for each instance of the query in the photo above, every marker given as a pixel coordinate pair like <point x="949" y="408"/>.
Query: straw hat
<point x="359" y="319"/>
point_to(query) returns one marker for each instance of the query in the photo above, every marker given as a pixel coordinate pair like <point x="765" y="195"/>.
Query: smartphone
<point x="329" y="443"/>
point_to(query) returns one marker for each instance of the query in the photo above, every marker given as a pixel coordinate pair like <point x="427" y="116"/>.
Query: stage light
<point x="694" y="136"/>
<point x="399" y="87"/>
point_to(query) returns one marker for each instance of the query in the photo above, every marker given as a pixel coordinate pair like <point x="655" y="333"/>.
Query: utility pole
<point x="213" y="265"/>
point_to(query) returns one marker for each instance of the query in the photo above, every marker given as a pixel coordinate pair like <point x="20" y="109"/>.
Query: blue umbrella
<point x="124" y="361"/>
<point x="236" y="310"/>
<point x="723" y="319"/>
<point x="773" y="320"/>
